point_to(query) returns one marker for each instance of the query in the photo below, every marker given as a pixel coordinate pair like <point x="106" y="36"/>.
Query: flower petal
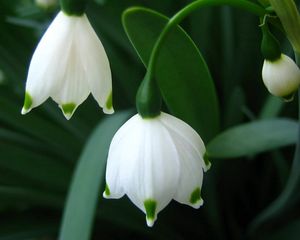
<point x="191" y="173"/>
<point x="153" y="168"/>
<point x="117" y="149"/>
<point x="96" y="65"/>
<point x="187" y="133"/>
<point x="45" y="66"/>
<point x="74" y="88"/>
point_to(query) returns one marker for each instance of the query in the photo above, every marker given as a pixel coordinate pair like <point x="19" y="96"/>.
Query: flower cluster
<point x="151" y="159"/>
<point x="154" y="157"/>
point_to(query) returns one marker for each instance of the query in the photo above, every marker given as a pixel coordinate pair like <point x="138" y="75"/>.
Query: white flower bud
<point x="281" y="77"/>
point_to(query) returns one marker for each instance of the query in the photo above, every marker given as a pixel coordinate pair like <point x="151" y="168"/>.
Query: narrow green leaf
<point x="88" y="177"/>
<point x="22" y="196"/>
<point x="27" y="226"/>
<point x="47" y="172"/>
<point x="228" y="47"/>
<point x="78" y="128"/>
<point x="181" y="72"/>
<point x="290" y="231"/>
<point x="38" y="127"/>
<point x="272" y="107"/>
<point x="253" y="138"/>
<point x="13" y="178"/>
<point x="18" y="138"/>
<point x="289" y="198"/>
<point x="233" y="111"/>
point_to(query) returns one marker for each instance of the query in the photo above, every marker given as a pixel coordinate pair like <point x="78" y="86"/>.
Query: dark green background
<point x="39" y="151"/>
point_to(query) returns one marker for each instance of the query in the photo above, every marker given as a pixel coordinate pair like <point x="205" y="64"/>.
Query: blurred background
<point x="39" y="151"/>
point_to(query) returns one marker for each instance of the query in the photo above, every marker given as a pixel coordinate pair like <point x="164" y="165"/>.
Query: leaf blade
<point x="260" y="135"/>
<point x="81" y="203"/>
<point x="182" y="74"/>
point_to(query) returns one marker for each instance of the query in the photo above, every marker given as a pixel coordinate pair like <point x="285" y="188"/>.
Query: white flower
<point x="281" y="77"/>
<point x="69" y="63"/>
<point x="154" y="161"/>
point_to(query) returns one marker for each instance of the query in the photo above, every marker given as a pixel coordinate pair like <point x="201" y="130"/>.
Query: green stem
<point x="73" y="7"/>
<point x="148" y="91"/>
<point x="270" y="47"/>
<point x="293" y="183"/>
<point x="290" y="196"/>
<point x="294" y="179"/>
<point x="178" y="17"/>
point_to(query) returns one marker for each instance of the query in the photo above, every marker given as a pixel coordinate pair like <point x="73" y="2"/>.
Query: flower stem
<point x="73" y="7"/>
<point x="289" y="197"/>
<point x="148" y="99"/>
<point x="179" y="16"/>
<point x="294" y="178"/>
<point x="289" y="16"/>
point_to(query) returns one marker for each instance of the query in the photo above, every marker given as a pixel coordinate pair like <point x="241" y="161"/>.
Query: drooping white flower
<point x="281" y="77"/>
<point x="155" y="160"/>
<point x="68" y="64"/>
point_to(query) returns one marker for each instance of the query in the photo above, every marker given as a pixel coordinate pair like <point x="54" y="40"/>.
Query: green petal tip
<point x="68" y="109"/>
<point x="108" y="109"/>
<point x="195" y="198"/>
<point x="150" y="207"/>
<point x="27" y="103"/>
<point x="106" y="191"/>
<point x="206" y="161"/>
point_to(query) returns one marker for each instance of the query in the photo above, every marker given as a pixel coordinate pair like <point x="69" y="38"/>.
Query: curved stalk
<point x="183" y="13"/>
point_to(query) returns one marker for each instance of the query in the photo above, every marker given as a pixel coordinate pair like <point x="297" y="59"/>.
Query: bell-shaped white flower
<point x="281" y="77"/>
<point x="155" y="160"/>
<point x="69" y="63"/>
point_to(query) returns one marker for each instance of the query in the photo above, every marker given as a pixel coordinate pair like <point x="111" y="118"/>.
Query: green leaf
<point x="233" y="111"/>
<point x="39" y="128"/>
<point x="290" y="231"/>
<point x="272" y="107"/>
<point x="51" y="173"/>
<point x="88" y="177"/>
<point x="7" y="135"/>
<point x="12" y="195"/>
<point x="253" y="138"/>
<point x="182" y="74"/>
<point x="27" y="226"/>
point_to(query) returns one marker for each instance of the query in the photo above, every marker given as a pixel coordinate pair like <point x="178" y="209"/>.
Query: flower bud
<point x="281" y="77"/>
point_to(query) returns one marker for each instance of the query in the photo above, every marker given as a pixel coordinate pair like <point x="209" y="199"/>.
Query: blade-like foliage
<point x="181" y="73"/>
<point x="84" y="191"/>
<point x="252" y="138"/>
